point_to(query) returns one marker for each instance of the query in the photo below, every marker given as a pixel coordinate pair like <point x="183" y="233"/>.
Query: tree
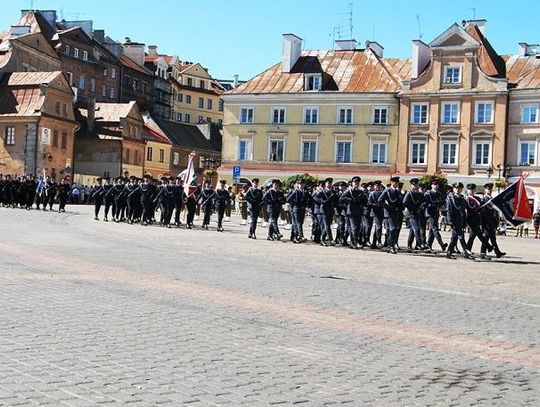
<point x="437" y="176"/>
<point x="310" y="181"/>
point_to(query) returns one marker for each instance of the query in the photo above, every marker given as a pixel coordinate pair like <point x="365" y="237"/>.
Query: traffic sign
<point x="236" y="180"/>
<point x="236" y="171"/>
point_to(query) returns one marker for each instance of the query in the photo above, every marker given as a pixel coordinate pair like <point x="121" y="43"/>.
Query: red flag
<point x="522" y="209"/>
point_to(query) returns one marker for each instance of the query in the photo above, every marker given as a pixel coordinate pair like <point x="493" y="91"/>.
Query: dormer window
<point x="313" y="82"/>
<point x="452" y="74"/>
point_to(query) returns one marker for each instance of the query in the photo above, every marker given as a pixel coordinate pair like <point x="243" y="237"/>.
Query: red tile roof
<point x="110" y="112"/>
<point x="129" y="63"/>
<point x="359" y="71"/>
<point x="490" y="62"/>
<point x="523" y="72"/>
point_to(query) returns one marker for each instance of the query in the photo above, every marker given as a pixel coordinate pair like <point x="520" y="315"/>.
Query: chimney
<point x="292" y="48"/>
<point x="152" y="50"/>
<point x="99" y="36"/>
<point x="87" y="26"/>
<point x="345" y="45"/>
<point x="91" y="117"/>
<point x="18" y="30"/>
<point x="49" y="16"/>
<point x="134" y="51"/>
<point x="235" y="82"/>
<point x="43" y="89"/>
<point x="377" y="48"/>
<point x="526" y="50"/>
<point x="421" y="57"/>
<point x="481" y="24"/>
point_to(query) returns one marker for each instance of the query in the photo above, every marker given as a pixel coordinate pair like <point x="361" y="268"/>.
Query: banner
<point x="512" y="203"/>
<point x="188" y="175"/>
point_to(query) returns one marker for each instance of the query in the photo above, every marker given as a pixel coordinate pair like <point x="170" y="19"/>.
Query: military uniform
<point x="456" y="212"/>
<point x="274" y="199"/>
<point x="222" y="201"/>
<point x="254" y="198"/>
<point x="206" y="200"/>
<point x="412" y="203"/>
<point x="298" y="199"/>
<point x="490" y="222"/>
<point x="377" y="215"/>
<point x="434" y="202"/>
<point x="390" y="199"/>
<point x="354" y="200"/>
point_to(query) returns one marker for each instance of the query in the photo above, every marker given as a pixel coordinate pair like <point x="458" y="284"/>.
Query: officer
<point x="51" y="190"/>
<point x="179" y="199"/>
<point x="423" y="188"/>
<point x="97" y="197"/>
<point x="298" y="199"/>
<point x="206" y="200"/>
<point x="354" y="200"/>
<point x="108" y="197"/>
<point x="133" y="200"/>
<point x="148" y="190"/>
<point x="490" y="222"/>
<point x="367" y="220"/>
<point x="456" y="212"/>
<point x="317" y="213"/>
<point x="434" y="203"/>
<point x="64" y="189"/>
<point x="340" y="213"/>
<point x="377" y="213"/>
<point x="221" y="202"/>
<point x="191" y="205"/>
<point x="120" y="200"/>
<point x="412" y="202"/>
<point x="473" y="219"/>
<point x="254" y="197"/>
<point x="326" y="198"/>
<point x="390" y="199"/>
<point x="274" y="199"/>
<point x="165" y="198"/>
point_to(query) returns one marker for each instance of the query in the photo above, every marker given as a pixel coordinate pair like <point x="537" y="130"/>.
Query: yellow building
<point x="327" y="113"/>
<point x="158" y="150"/>
<point x="196" y="95"/>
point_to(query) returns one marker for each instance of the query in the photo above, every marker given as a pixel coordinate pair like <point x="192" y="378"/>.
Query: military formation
<point x="26" y="191"/>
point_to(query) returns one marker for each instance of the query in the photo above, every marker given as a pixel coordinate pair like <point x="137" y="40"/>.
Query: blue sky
<point x="244" y="36"/>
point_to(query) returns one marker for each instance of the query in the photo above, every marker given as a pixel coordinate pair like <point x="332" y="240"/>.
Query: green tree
<point x="310" y="180"/>
<point x="437" y="176"/>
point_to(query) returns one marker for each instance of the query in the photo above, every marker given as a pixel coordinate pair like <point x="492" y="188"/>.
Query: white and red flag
<point x="513" y="204"/>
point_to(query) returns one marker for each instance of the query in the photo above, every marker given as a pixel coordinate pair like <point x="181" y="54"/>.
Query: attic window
<point x="313" y="82"/>
<point x="452" y="74"/>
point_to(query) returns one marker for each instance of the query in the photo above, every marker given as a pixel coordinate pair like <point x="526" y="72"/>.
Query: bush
<point x="310" y="181"/>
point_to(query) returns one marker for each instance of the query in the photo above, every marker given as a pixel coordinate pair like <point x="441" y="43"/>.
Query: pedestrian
<point x="254" y="199"/>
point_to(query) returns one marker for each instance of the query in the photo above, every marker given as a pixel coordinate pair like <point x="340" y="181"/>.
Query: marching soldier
<point x="456" y="212"/>
<point x="222" y="201"/>
<point x="274" y="199"/>
<point x="148" y="190"/>
<point x="64" y="189"/>
<point x="165" y="198"/>
<point x="254" y="198"/>
<point x="326" y="198"/>
<point x="340" y="212"/>
<point x="179" y="200"/>
<point x="97" y="196"/>
<point x="297" y="198"/>
<point x="133" y="200"/>
<point x="191" y="205"/>
<point x="473" y="219"/>
<point x="490" y="221"/>
<point x="412" y="202"/>
<point x="390" y="199"/>
<point x="377" y="214"/>
<point x="354" y="200"/>
<point x="108" y="197"/>
<point x="51" y="191"/>
<point x="206" y="200"/>
<point x="434" y="203"/>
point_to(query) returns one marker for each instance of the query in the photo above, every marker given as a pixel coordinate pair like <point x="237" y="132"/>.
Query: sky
<point x="244" y="36"/>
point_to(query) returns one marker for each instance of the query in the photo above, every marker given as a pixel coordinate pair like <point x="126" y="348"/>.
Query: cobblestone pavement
<point x="97" y="314"/>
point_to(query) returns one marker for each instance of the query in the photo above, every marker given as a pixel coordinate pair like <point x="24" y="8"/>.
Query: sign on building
<point x="46" y="136"/>
<point x="236" y="171"/>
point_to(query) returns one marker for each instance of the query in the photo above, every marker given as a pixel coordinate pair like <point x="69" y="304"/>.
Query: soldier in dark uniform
<point x="274" y="199"/>
<point x="64" y="189"/>
<point x="390" y="199"/>
<point x="120" y="200"/>
<point x="473" y="219"/>
<point x="97" y="197"/>
<point x="456" y="212"/>
<point x="401" y="215"/>
<point x="165" y="198"/>
<point x="41" y="193"/>
<point x="340" y="212"/>
<point x="298" y="199"/>
<point x="116" y="190"/>
<point x="354" y="200"/>
<point x="206" y="200"/>
<point x="434" y="203"/>
<point x="413" y="210"/>
<point x="316" y="213"/>
<point x="490" y="222"/>
<point x="422" y="187"/>
<point x="326" y="198"/>
<point x="367" y="220"/>
<point x="108" y="197"/>
<point x="191" y="206"/>
<point x="377" y="214"/>
<point x="254" y="198"/>
<point x="222" y="200"/>
<point x="148" y="191"/>
<point x="179" y="199"/>
<point x="133" y="199"/>
<point x="51" y="191"/>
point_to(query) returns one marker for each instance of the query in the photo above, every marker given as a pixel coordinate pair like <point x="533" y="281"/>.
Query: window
<point x="527" y="153"/>
<point x="345" y="115"/>
<point x="10" y="136"/>
<point x="104" y="91"/>
<point x="64" y="140"/>
<point x="484" y="112"/>
<point x="176" y="158"/>
<point x="76" y="52"/>
<point x="417" y="152"/>
<point x="529" y="114"/>
<point x="221" y="105"/>
<point x="246" y="115"/>
<point x="161" y="155"/>
<point x="188" y="99"/>
<point x="201" y="103"/>
<point x="111" y="95"/>
<point x="343" y="152"/>
<point x="380" y="115"/>
<point x="82" y="82"/>
<point x="209" y="104"/>
<point x="482" y="153"/>
<point x="187" y="118"/>
<point x="311" y="115"/>
<point x="67" y="50"/>
<point x="179" y="98"/>
<point x="178" y="116"/>
<point x="313" y="82"/>
<point x="452" y="74"/>
<point x="70" y="78"/>
<point x="92" y="85"/>
<point x="55" y="138"/>
<point x="419" y="113"/>
<point x="202" y="84"/>
<point x="244" y="150"/>
<point x="448" y="153"/>
<point x="149" y="153"/>
<point x="113" y="73"/>
<point x="309" y="151"/>
<point x="278" y="115"/>
<point x="378" y="151"/>
<point x="450" y="113"/>
<point x="85" y="55"/>
<point x="276" y="150"/>
<point x="189" y="82"/>
<point x="58" y="107"/>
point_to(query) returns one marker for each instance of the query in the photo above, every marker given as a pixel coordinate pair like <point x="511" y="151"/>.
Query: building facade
<point x="161" y="65"/>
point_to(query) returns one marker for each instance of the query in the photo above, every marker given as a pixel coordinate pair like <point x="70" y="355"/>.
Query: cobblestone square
<point x="106" y="314"/>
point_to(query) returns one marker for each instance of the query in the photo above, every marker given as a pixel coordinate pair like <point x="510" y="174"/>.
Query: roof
<point x="110" y="112"/>
<point x="523" y="72"/>
<point x="37" y="23"/>
<point x="20" y="93"/>
<point x="358" y="71"/>
<point x="169" y="59"/>
<point x="128" y="62"/>
<point x="402" y="68"/>
<point x="155" y="136"/>
<point x="186" y="135"/>
<point x="491" y="63"/>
